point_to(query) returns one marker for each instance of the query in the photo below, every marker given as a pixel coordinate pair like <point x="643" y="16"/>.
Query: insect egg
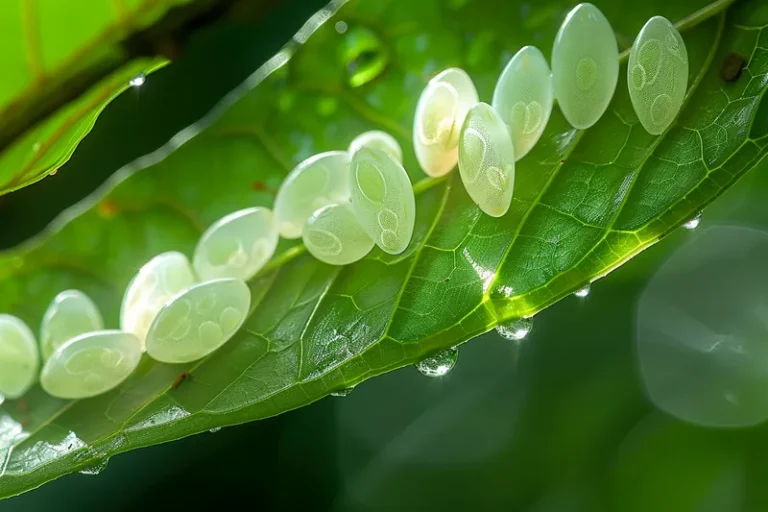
<point x="383" y="199"/>
<point x="440" y="112"/>
<point x="657" y="74"/>
<point x="487" y="160"/>
<point x="236" y="245"/>
<point x="334" y="236"/>
<point x="91" y="364"/>
<point x="157" y="281"/>
<point x="70" y="314"/>
<point x="523" y="98"/>
<point x="199" y="320"/>
<point x="378" y="140"/>
<point x="316" y="182"/>
<point x="18" y="357"/>
<point x="585" y="65"/>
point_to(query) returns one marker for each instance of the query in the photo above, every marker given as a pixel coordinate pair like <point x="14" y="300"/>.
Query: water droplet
<point x="95" y="469"/>
<point x="439" y="364"/>
<point x="138" y="80"/>
<point x="343" y="392"/>
<point x="214" y="430"/>
<point x="364" y="56"/>
<point x="693" y="223"/>
<point x="36" y="147"/>
<point x="582" y="292"/>
<point x="516" y="330"/>
<point x="2" y="399"/>
<point x="341" y="27"/>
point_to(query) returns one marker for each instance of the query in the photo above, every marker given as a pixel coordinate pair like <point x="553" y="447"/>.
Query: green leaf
<point x="585" y="203"/>
<point x="63" y="62"/>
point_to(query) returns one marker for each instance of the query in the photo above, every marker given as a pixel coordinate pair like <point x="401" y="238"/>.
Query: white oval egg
<point x="487" y="160"/>
<point x="19" y="358"/>
<point x="159" y="280"/>
<point x="316" y="182"/>
<point x="383" y="199"/>
<point x="199" y="320"/>
<point x="657" y="74"/>
<point x="91" y="364"/>
<point x="523" y="98"/>
<point x="333" y="235"/>
<point x="378" y="140"/>
<point x="70" y="314"/>
<point x="440" y="112"/>
<point x="236" y="245"/>
<point x="585" y="65"/>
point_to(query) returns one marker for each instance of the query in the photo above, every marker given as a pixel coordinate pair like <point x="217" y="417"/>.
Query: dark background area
<point x="557" y="423"/>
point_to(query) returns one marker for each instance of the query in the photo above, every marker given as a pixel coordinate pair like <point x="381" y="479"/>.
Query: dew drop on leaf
<point x="693" y="223"/>
<point x="138" y="80"/>
<point x="343" y="392"/>
<point x="96" y="468"/>
<point x="516" y="330"/>
<point x="214" y="430"/>
<point x="583" y="292"/>
<point x="439" y="364"/>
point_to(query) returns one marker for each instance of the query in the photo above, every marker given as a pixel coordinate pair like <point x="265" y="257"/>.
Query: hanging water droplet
<point x="516" y="330"/>
<point x="138" y="80"/>
<point x="343" y="392"/>
<point x="2" y="399"/>
<point x="341" y="27"/>
<point x="96" y="468"/>
<point x="214" y="430"/>
<point x="693" y="223"/>
<point x="583" y="292"/>
<point x="439" y="364"/>
<point x="363" y="55"/>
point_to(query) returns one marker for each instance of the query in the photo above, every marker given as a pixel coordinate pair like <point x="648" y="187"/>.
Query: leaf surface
<point x="585" y="202"/>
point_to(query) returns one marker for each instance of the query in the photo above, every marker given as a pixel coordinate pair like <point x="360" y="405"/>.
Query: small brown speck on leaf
<point x="180" y="378"/>
<point x="108" y="209"/>
<point x="732" y="66"/>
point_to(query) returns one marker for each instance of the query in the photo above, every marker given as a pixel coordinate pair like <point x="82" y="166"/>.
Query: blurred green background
<point x="557" y="423"/>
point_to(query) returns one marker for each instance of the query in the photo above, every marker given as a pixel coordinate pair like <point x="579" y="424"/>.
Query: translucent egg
<point x="316" y="182"/>
<point x="236" y="245"/>
<point x="523" y="98"/>
<point x="18" y="357"/>
<point x="378" y="140"/>
<point x="585" y="65"/>
<point x="199" y="320"/>
<point x="333" y="235"/>
<point x="383" y="199"/>
<point x="657" y="75"/>
<point x="441" y="110"/>
<point x="91" y="364"/>
<point x="70" y="314"/>
<point x="160" y="279"/>
<point x="487" y="160"/>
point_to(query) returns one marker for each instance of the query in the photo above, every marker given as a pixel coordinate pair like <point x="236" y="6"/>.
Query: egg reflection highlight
<point x="702" y="330"/>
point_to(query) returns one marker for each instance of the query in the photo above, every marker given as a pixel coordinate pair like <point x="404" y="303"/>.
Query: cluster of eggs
<point x="452" y="126"/>
<point x="343" y="203"/>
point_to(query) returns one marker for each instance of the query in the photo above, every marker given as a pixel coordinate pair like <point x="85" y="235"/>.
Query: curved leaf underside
<point x="585" y="202"/>
<point x="62" y="62"/>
